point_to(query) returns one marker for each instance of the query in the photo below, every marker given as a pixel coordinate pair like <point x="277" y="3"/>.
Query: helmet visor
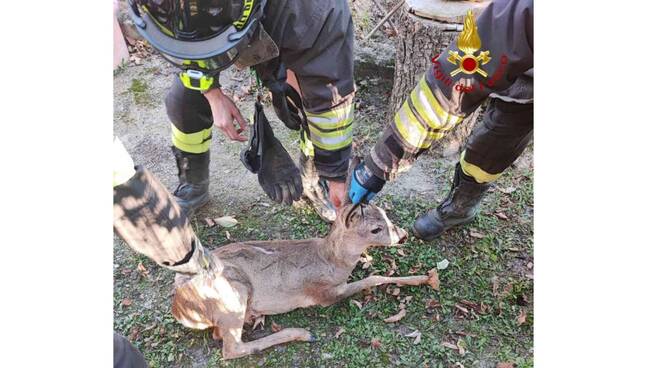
<point x="211" y="65"/>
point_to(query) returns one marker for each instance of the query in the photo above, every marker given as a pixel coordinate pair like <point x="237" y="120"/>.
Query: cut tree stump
<point x="426" y="28"/>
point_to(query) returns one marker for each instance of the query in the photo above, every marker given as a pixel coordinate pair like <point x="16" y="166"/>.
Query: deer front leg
<point x="347" y="290"/>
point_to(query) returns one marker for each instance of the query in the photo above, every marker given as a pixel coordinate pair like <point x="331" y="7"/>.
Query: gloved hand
<point x="364" y="184"/>
<point x="277" y="173"/>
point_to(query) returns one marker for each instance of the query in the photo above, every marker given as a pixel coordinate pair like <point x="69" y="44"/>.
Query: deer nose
<point x="402" y="234"/>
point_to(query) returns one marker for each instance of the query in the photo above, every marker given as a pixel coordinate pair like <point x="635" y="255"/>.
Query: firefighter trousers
<point x="498" y="140"/>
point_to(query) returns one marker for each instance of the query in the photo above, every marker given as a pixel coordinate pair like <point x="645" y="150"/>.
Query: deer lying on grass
<point x="256" y="278"/>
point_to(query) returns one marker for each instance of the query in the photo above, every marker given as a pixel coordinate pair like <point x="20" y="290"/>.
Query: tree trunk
<point x="419" y="40"/>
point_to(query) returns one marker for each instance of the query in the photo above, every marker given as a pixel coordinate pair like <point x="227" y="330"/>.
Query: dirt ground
<point x="482" y="316"/>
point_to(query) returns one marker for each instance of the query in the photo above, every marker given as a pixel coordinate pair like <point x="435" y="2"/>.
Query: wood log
<point x="426" y="28"/>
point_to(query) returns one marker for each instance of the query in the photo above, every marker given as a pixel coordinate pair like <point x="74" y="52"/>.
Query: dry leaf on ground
<point x="432" y="303"/>
<point x="226" y="221"/>
<point x="501" y="215"/>
<point x="209" y="222"/>
<point x="417" y="335"/>
<point x="461" y="347"/>
<point x="142" y="269"/>
<point x="357" y="304"/>
<point x="397" y="317"/>
<point x="449" y="345"/>
<point x="126" y="302"/>
<point x="442" y="264"/>
<point x="505" y="365"/>
<point x="476" y="234"/>
<point x="375" y="343"/>
<point x="339" y="332"/>
<point x="522" y="317"/>
<point x="507" y="190"/>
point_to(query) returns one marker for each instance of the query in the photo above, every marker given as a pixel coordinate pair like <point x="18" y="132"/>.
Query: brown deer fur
<point x="257" y="278"/>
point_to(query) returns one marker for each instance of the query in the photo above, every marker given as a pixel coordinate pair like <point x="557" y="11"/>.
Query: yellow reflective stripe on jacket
<point x="331" y="130"/>
<point x="333" y="119"/>
<point x="198" y="142"/>
<point x="306" y="146"/>
<point x="428" y="107"/>
<point x="479" y="175"/>
<point x="411" y="129"/>
<point x="331" y="140"/>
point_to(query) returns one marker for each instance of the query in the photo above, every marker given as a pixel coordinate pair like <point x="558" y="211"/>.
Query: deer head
<point x="367" y="225"/>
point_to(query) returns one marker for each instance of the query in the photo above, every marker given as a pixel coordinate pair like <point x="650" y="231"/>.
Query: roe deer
<point x="256" y="278"/>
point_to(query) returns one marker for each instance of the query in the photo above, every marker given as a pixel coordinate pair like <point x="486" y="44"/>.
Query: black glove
<point x="278" y="175"/>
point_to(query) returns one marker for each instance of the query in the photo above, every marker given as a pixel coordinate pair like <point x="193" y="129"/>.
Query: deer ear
<point x="353" y="213"/>
<point x="351" y="167"/>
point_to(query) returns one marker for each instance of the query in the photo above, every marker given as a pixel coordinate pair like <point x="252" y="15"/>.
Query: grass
<point x="483" y="291"/>
<point x="491" y="272"/>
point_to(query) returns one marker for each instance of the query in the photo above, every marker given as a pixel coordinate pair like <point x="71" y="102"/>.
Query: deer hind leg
<point x="354" y="287"/>
<point x="241" y="349"/>
<point x="229" y="325"/>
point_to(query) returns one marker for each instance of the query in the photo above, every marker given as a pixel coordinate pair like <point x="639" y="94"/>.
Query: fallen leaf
<point x="339" y="332"/>
<point x="461" y="347"/>
<point x="397" y="317"/>
<point x="522" y="317"/>
<point x="209" y="222"/>
<point x="396" y="291"/>
<point x="259" y="321"/>
<point x="358" y="304"/>
<point x="507" y="190"/>
<point x="126" y="302"/>
<point x="462" y="309"/>
<point x="432" y="303"/>
<point x="496" y="286"/>
<point x="375" y="343"/>
<point x="407" y="299"/>
<point x="442" y="264"/>
<point x="505" y="365"/>
<point x="401" y="252"/>
<point x="142" y="269"/>
<point x="417" y="335"/>
<point x="227" y="235"/>
<point x="226" y="221"/>
<point x="530" y="265"/>
<point x="449" y="345"/>
<point x="433" y="281"/>
<point x="135" y="332"/>
<point x="476" y="234"/>
<point x="501" y="216"/>
<point x="275" y="327"/>
<point x="459" y="365"/>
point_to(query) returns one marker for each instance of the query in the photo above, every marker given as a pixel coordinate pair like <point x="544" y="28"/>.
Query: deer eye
<point x="377" y="230"/>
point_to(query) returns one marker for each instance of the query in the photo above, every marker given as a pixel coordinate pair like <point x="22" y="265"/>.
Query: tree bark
<point x="419" y="40"/>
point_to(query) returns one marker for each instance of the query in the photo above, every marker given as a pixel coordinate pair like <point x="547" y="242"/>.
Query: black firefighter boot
<point x="460" y="206"/>
<point x="193" y="190"/>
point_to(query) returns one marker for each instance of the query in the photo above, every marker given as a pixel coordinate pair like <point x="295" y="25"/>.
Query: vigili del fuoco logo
<point x="469" y="42"/>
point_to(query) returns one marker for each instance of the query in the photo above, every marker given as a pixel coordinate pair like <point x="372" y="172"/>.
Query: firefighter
<point x="147" y="217"/>
<point x="307" y="44"/>
<point x="492" y="58"/>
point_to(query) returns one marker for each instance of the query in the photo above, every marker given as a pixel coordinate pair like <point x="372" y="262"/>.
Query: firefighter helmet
<point x="202" y="37"/>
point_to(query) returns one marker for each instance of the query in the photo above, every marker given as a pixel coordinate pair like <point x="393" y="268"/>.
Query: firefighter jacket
<point x="487" y="57"/>
<point x="315" y="41"/>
